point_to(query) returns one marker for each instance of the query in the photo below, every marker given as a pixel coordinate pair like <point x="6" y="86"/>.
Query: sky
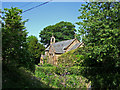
<point x="48" y="14"/>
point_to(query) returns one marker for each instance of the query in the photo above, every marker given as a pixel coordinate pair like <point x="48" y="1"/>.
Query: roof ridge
<point x="64" y="41"/>
<point x="69" y="44"/>
<point x="61" y="45"/>
<point x="78" y="44"/>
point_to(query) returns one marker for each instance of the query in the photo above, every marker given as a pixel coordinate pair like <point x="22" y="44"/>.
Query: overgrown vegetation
<point x="101" y="26"/>
<point x="17" y="58"/>
<point x="20" y="78"/>
<point x="71" y="58"/>
<point x="14" y="39"/>
<point x="35" y="48"/>
<point x="97" y="62"/>
<point x="51" y="77"/>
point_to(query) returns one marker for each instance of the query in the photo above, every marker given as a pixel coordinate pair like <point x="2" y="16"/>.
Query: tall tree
<point x="14" y="39"/>
<point x="62" y="31"/>
<point x="101" y="24"/>
<point x="35" y="48"/>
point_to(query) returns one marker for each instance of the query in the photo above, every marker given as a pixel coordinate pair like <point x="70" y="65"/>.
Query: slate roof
<point x="75" y="46"/>
<point x="60" y="46"/>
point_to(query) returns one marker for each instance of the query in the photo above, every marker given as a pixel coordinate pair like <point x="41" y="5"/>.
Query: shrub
<point x="71" y="58"/>
<point x="47" y="65"/>
<point x="47" y="69"/>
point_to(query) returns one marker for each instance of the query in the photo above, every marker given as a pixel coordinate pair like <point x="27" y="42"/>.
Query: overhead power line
<point x="37" y="6"/>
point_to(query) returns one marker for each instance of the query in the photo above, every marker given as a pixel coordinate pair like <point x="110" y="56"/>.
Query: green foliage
<point x="49" y="76"/>
<point x="14" y="47"/>
<point x="14" y="38"/>
<point x="71" y="58"/>
<point x="62" y="31"/>
<point x="35" y="48"/>
<point x="46" y="64"/>
<point x="20" y="78"/>
<point x="102" y="38"/>
<point x="47" y="69"/>
<point x="76" y="70"/>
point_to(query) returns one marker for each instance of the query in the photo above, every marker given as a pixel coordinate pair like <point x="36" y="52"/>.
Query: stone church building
<point x="55" y="49"/>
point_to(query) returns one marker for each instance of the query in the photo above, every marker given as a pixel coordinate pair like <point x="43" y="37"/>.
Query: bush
<point x="45" y="69"/>
<point x="60" y="81"/>
<point x="47" y="65"/>
<point x="20" y="78"/>
<point x="71" y="58"/>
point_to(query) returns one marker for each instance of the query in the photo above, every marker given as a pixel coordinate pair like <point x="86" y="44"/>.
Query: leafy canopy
<point x="14" y="39"/>
<point x="35" y="48"/>
<point x="62" y="31"/>
<point x="101" y="26"/>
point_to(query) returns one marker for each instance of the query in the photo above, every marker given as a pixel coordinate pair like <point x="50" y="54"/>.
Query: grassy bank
<point x="20" y="78"/>
<point x="44" y="77"/>
<point x="49" y="76"/>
